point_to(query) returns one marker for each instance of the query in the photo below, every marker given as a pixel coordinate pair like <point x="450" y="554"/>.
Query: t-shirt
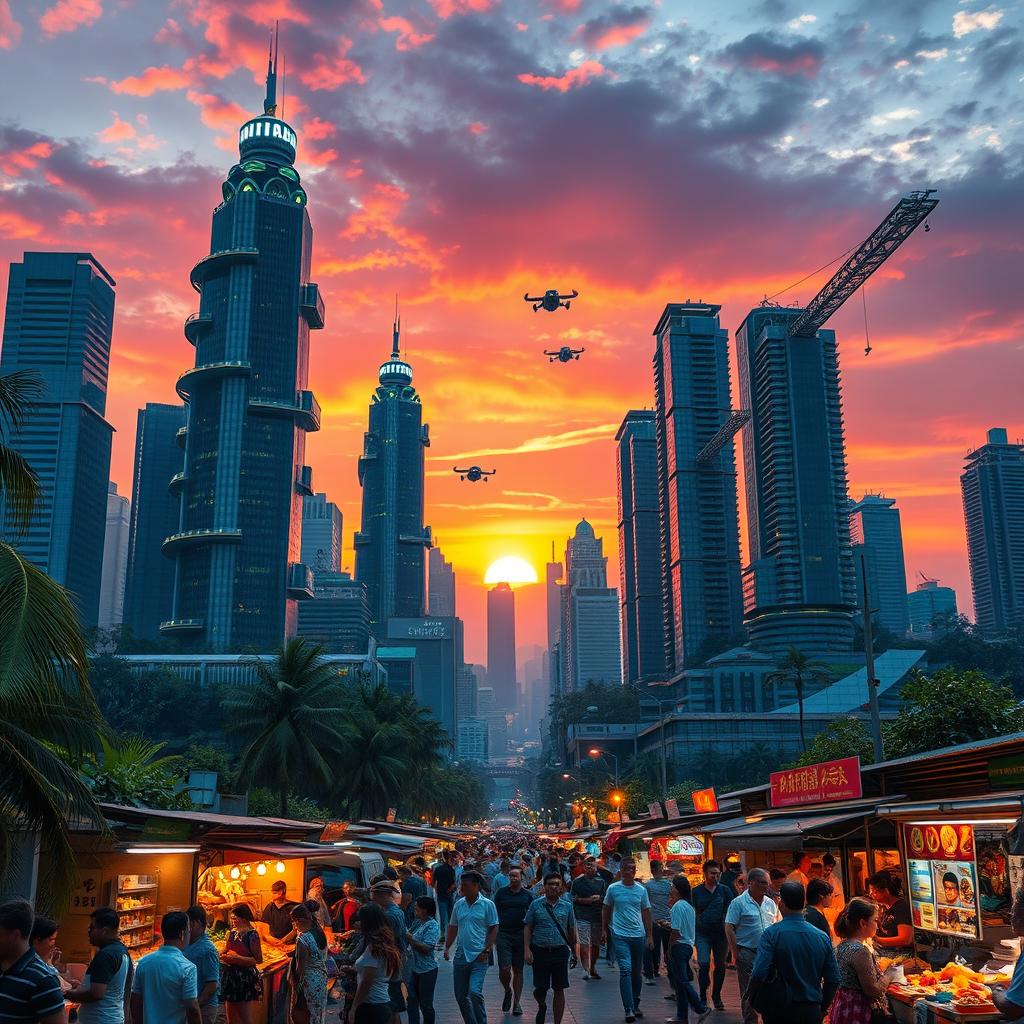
<point x="396" y="922"/>
<point x="379" y="988"/>
<point x="711" y="907"/>
<point x="474" y="920"/>
<point x="889" y="920"/>
<point x="817" y="918"/>
<point x="108" y="967"/>
<point x="658" y="890"/>
<point x="627" y="903"/>
<point x="584" y="887"/>
<point x="684" y="921"/>
<point x="444" y="879"/>
<point x="203" y="953"/>
<point x="28" y="991"/>
<point x="166" y="981"/>
<point x="541" y="918"/>
<point x="511" y="907"/>
<point x="1015" y="990"/>
<point x="606" y="875"/>
<point x="427" y="932"/>
<point x="416" y="887"/>
<point x="278" y="919"/>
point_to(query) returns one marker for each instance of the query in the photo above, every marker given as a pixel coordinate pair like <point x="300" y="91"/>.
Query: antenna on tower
<point x="284" y="82"/>
<point x="396" y="330"/>
<point x="270" y="103"/>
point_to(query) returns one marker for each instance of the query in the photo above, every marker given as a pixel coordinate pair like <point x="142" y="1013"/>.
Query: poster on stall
<point x="943" y="878"/>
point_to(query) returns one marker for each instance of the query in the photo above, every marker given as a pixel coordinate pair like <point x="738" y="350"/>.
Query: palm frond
<point x="19" y="487"/>
<point x="18" y="391"/>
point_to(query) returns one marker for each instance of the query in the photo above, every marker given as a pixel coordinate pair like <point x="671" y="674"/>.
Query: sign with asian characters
<point x="333" y="831"/>
<point x="817" y="783"/>
<point x="390" y="817"/>
<point x="85" y="897"/>
<point x="705" y="801"/>
<point x="654" y="809"/>
<point x="672" y="809"/>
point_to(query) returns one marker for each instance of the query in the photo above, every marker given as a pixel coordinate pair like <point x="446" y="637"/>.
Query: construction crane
<point x="895" y="229"/>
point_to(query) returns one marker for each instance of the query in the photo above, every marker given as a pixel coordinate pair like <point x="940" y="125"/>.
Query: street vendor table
<point x="904" y="1009"/>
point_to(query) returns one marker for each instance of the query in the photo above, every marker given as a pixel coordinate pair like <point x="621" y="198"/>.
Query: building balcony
<point x="179" y="627"/>
<point x="423" y="538"/>
<point x="305" y="409"/>
<point x="311" y="306"/>
<point x="219" y="263"/>
<point x="180" y="435"/>
<point x="233" y="368"/>
<point x="300" y="582"/>
<point x="304" y="480"/>
<point x="196" y="326"/>
<point x="177" y="541"/>
<point x="177" y="482"/>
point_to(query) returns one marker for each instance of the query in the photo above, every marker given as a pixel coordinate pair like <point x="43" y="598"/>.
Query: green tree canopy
<point x="845" y="737"/>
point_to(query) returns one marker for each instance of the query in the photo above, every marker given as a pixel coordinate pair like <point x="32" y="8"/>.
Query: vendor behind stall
<point x="277" y="913"/>
<point x="895" y="925"/>
<point x="1010" y="1001"/>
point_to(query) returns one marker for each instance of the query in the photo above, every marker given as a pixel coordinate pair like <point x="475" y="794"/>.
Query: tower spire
<point x="396" y="329"/>
<point x="270" y="103"/>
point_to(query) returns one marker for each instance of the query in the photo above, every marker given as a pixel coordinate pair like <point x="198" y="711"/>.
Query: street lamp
<point x="595" y="753"/>
<point x="616" y="800"/>
<point x="579" y="789"/>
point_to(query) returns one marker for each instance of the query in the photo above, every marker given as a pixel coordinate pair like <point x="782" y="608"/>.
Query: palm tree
<point x="292" y="717"/>
<point x="795" y="668"/>
<point x="45" y="702"/>
<point x="377" y="769"/>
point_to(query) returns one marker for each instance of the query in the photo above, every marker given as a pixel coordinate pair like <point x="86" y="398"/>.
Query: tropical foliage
<point x="845" y="737"/>
<point x="129" y="771"/>
<point x="799" y="670"/>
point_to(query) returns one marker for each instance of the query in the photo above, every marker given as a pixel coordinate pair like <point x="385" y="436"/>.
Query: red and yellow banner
<point x="817" y="783"/>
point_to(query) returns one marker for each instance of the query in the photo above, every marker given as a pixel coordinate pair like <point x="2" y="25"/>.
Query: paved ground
<point x="591" y="1002"/>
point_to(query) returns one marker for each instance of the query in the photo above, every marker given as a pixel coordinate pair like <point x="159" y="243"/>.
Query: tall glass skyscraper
<point x="877" y="537"/>
<point x="392" y="542"/>
<point x="237" y="545"/>
<point x="440" y="585"/>
<point x="115" y="560"/>
<point x="60" y="315"/>
<point x="501" y="646"/>
<point x="155" y="508"/>
<point x="699" y="512"/>
<point x="321" y="534"/>
<point x="641" y="594"/>
<point x="799" y="588"/>
<point x="993" y="491"/>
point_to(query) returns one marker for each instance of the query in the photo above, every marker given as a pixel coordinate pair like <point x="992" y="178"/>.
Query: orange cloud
<point x="315" y="129"/>
<point x="579" y="75"/>
<point x="477" y="128"/>
<point x="408" y="37"/>
<point x="14" y="225"/>
<point x="218" y="113"/>
<point x="15" y="162"/>
<point x="446" y="8"/>
<point x="10" y="30"/>
<point x="618" y="35"/>
<point x="119" y="131"/>
<point x="331" y="72"/>
<point x="153" y="80"/>
<point x="69" y="15"/>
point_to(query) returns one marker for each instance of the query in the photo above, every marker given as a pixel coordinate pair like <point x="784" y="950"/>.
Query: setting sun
<point x="511" y="569"/>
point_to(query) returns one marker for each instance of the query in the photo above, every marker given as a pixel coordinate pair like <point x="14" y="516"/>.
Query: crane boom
<point x="725" y="433"/>
<point x="901" y="221"/>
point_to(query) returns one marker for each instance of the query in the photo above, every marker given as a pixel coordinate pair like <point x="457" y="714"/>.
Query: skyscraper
<point x="699" y="514"/>
<point x="589" y="636"/>
<point x="553" y="599"/>
<point x="501" y="646"/>
<point x="237" y="547"/>
<point x="799" y="588"/>
<point x="992" y="485"/>
<point x="926" y="603"/>
<point x="877" y="538"/>
<point x="338" y="616"/>
<point x="441" y="585"/>
<point x="60" y="314"/>
<point x="155" y="512"/>
<point x="321" y="534"/>
<point x="640" y="593"/>
<point x="115" y="560"/>
<point x="392" y="541"/>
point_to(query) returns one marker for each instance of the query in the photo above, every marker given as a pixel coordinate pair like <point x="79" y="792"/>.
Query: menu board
<point x="943" y="878"/>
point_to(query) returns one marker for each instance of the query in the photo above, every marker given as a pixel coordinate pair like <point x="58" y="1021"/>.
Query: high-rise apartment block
<point x="338" y="616"/>
<point x="239" y="573"/>
<point x="59" y="319"/>
<point x="501" y="646"/>
<point x="800" y="587"/>
<point x="392" y="542"/>
<point x="321" y="534"/>
<point x="877" y="538"/>
<point x="155" y="515"/>
<point x="115" y="560"/>
<point x="992" y="485"/>
<point x="699" y="513"/>
<point x="440" y="584"/>
<point x="927" y="603"/>
<point x="641" y="596"/>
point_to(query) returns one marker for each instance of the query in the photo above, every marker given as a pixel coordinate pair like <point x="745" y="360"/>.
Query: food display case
<point x="136" y="898"/>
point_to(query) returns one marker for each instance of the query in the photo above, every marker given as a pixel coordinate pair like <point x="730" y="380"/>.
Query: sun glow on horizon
<point x="510" y="569"/>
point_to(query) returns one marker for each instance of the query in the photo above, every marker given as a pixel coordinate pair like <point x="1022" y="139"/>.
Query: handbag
<point x="771" y="996"/>
<point x="573" y="962"/>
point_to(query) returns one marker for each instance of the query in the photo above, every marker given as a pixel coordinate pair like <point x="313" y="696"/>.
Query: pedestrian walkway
<point x="587" y="1002"/>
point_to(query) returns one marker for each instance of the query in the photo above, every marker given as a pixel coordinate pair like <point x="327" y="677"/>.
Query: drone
<point x="474" y="473"/>
<point x="550" y="300"/>
<point x="564" y="354"/>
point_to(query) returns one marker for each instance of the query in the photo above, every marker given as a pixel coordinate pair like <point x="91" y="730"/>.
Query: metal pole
<point x="664" y="783"/>
<point x="869" y="663"/>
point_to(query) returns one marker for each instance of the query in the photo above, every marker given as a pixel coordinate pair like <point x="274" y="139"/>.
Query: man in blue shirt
<point x="473" y="930"/>
<point x="1010" y="1002"/>
<point x="711" y="902"/>
<point x="549" y="937"/>
<point x="804" y="959"/>
<point x="203" y="953"/>
<point x="627" y="914"/>
<point x="164" y="989"/>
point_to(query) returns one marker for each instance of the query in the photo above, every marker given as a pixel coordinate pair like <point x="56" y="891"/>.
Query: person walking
<point x="421" y="973"/>
<point x="819" y="899"/>
<point x="164" y="989"/>
<point x="308" y="972"/>
<point x="627" y="912"/>
<point x="803" y="957"/>
<point x="29" y="992"/>
<point x="377" y="966"/>
<point x="862" y="984"/>
<point x="385" y="895"/>
<point x="587" y="894"/>
<point x="241" y="985"/>
<point x="413" y="887"/>
<point x="473" y="930"/>
<point x="512" y="902"/>
<point x="549" y="937"/>
<point x="101" y="996"/>
<point x="444" y="890"/>
<point x="658" y="887"/>
<point x="683" y="921"/>
<point x="201" y="952"/>
<point x="745" y="921"/>
<point x="711" y="902"/>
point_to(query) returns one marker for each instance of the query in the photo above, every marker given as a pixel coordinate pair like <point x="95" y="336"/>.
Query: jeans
<point x="629" y="952"/>
<point x="445" y="904"/>
<point x="711" y="944"/>
<point x="686" y="994"/>
<point x="744" y="967"/>
<point x="653" y="956"/>
<point x="421" y="997"/>
<point x="468" y="982"/>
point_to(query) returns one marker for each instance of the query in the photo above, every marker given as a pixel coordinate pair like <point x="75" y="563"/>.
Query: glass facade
<point x="338" y="616"/>
<point x="58" y="324"/>
<point x="440" y="584"/>
<point x="877" y="537"/>
<point x="321" y="534"/>
<point x="501" y="646"/>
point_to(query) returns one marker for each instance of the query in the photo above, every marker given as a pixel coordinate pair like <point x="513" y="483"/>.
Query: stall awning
<point x="790" y="832"/>
<point x="1005" y="806"/>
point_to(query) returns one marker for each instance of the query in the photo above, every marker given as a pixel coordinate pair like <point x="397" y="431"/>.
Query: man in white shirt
<point x="745" y="921"/>
<point x="627" y="911"/>
<point x="164" y="990"/>
<point x="473" y="930"/>
<point x="683" y="938"/>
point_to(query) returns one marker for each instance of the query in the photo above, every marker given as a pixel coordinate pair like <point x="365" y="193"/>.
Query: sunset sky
<point x="462" y="152"/>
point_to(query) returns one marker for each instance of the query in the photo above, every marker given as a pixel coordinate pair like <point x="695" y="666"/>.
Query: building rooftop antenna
<point x="396" y="329"/>
<point x="270" y="103"/>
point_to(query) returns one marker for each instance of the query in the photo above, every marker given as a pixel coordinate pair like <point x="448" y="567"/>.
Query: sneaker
<point x="703" y="1015"/>
<point x="517" y="1010"/>
<point x="630" y="1017"/>
<point x="639" y="1013"/>
<point x="594" y="976"/>
<point x="506" y="1003"/>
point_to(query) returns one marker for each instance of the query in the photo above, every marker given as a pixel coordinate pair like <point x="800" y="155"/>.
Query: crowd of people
<point x="800" y="951"/>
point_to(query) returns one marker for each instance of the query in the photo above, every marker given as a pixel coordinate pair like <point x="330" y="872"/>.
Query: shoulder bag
<point x="565" y="938"/>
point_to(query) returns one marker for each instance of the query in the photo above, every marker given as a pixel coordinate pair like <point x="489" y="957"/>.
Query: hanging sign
<point x="654" y="809"/>
<point x="705" y="801"/>
<point x="671" y="809"/>
<point x="817" y="783"/>
<point x="943" y="878"/>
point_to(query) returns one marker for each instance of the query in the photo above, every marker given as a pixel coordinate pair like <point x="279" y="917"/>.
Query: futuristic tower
<point x="237" y="548"/>
<point x="392" y="542"/>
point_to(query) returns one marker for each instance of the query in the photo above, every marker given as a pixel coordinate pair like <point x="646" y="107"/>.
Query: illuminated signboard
<point x="705" y="801"/>
<point x="267" y="128"/>
<point x="817" y="783"/>
<point x="943" y="876"/>
<point x="393" y="366"/>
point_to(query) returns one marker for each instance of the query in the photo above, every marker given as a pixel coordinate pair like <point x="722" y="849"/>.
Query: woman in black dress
<point x="241" y="983"/>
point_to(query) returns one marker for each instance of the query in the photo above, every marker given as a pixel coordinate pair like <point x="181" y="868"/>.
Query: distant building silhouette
<point x="926" y="603"/>
<point x="60" y="315"/>
<point x="115" y="560"/>
<point x="338" y="616"/>
<point x="321" y="534"/>
<point x="877" y="538"/>
<point x="440" y="584"/>
<point x="501" y="646"/>
<point x="992" y="485"/>
<point x="553" y="608"/>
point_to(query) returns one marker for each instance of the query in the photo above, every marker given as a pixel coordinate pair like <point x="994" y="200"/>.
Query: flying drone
<point x="564" y="354"/>
<point x="550" y="300"/>
<point x="474" y="473"/>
